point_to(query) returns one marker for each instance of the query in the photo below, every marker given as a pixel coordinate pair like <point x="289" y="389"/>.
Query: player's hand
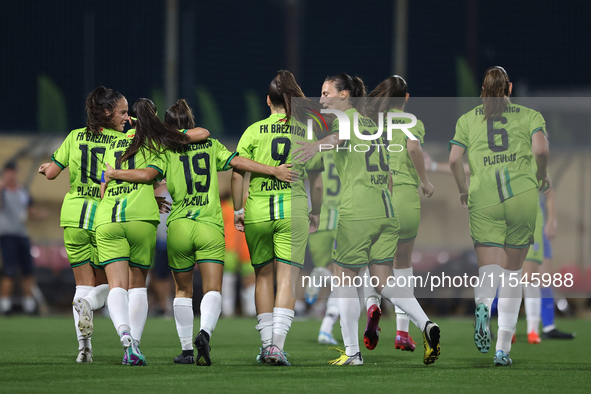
<point x="109" y="172"/>
<point x="545" y="183"/>
<point x="428" y="189"/>
<point x="306" y="152"/>
<point x="43" y="168"/>
<point x="239" y="222"/>
<point x="284" y="174"/>
<point x="551" y="230"/>
<point x="314" y="223"/>
<point x="163" y="205"/>
<point x="464" y="200"/>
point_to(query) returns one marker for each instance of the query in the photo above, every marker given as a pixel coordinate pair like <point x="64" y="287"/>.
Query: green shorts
<point x="507" y="224"/>
<point x="127" y="241"/>
<point x="536" y="252"/>
<point x="281" y="239"/>
<point x="363" y="243"/>
<point x="81" y="246"/>
<point x="321" y="245"/>
<point x="406" y="201"/>
<point x="191" y="242"/>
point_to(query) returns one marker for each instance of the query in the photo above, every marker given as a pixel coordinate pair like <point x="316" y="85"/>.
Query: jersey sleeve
<point x="61" y="157"/>
<point x="158" y="162"/>
<point x="418" y="131"/>
<point x="537" y="123"/>
<point x="316" y="165"/>
<point x="246" y="145"/>
<point x="461" y="136"/>
<point x="223" y="156"/>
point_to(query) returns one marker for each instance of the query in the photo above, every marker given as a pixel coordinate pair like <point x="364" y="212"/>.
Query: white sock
<point x="118" y="302"/>
<point x="247" y="300"/>
<point x="402" y="319"/>
<point x="229" y="292"/>
<point x="28" y="304"/>
<point x="6" y="305"/>
<point x="183" y="317"/>
<point x="509" y="303"/>
<point x="403" y="298"/>
<point x="282" y="318"/>
<point x="332" y="314"/>
<point x="349" y="310"/>
<point x="138" y="311"/>
<point x="265" y="328"/>
<point x="211" y="307"/>
<point x="486" y="291"/>
<point x="533" y="307"/>
<point x="371" y="297"/>
<point x="81" y="292"/>
<point x="97" y="298"/>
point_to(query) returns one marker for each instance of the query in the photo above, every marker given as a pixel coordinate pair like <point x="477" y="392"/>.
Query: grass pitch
<point x="38" y="355"/>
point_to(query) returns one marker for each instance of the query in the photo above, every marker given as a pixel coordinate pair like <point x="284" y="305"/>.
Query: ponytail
<point x="99" y="100"/>
<point x="180" y="116"/>
<point x="495" y="92"/>
<point x="282" y="89"/>
<point x="354" y="85"/>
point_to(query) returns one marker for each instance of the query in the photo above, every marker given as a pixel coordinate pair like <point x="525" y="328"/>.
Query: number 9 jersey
<point x="83" y="153"/>
<point x="499" y="152"/>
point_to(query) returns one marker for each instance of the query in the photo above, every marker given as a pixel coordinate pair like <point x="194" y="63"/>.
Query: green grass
<point x="38" y="355"/>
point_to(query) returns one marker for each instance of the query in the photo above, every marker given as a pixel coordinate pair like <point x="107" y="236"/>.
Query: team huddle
<point x="354" y="211"/>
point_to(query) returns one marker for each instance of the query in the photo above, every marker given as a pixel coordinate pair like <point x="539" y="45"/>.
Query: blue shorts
<point x="16" y="252"/>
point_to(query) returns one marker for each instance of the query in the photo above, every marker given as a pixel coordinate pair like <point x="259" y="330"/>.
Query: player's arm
<point x="415" y="152"/>
<point x="551" y="227"/>
<point x="198" y="134"/>
<point x="539" y="147"/>
<point x="283" y="172"/>
<point x="443" y="168"/>
<point x="50" y="170"/>
<point x="456" y="165"/>
<point x="316" y="193"/>
<point x="309" y="149"/>
<point x="141" y="175"/>
<point x="238" y="198"/>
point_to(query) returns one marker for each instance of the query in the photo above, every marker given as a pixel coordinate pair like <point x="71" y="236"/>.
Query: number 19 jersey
<point x="499" y="151"/>
<point x="83" y="153"/>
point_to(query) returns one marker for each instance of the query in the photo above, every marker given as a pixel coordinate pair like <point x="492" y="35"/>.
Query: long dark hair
<point x="282" y="89"/>
<point x="180" y="116"/>
<point x="390" y="93"/>
<point x="99" y="100"/>
<point x="151" y="133"/>
<point x="354" y="85"/>
<point x="495" y="92"/>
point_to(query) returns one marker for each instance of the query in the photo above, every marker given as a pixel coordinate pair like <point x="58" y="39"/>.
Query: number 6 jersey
<point x="499" y="151"/>
<point x="83" y="153"/>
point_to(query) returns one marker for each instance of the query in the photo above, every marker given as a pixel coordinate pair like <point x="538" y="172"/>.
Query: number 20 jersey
<point x="270" y="142"/>
<point x="83" y="153"/>
<point x="499" y="151"/>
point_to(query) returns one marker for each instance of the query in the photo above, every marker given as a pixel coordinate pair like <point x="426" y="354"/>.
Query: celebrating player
<point x="83" y="152"/>
<point x="366" y="209"/>
<point x="502" y="199"/>
<point x="276" y="220"/>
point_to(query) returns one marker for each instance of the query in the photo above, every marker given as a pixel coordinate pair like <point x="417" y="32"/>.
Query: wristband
<point x="239" y="212"/>
<point x="433" y="166"/>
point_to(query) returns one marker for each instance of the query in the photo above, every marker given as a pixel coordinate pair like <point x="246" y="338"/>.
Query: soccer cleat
<point x="482" y="328"/>
<point x="203" y="348"/>
<point x="431" y="345"/>
<point x="85" y="317"/>
<point x="356" y="359"/>
<point x="264" y="353"/>
<point x="133" y="356"/>
<point x="555" y="334"/>
<point x="186" y="357"/>
<point x="277" y="356"/>
<point x="325" y="338"/>
<point x="84" y="356"/>
<point x="501" y="359"/>
<point x="404" y="342"/>
<point x="371" y="335"/>
<point x="533" y="338"/>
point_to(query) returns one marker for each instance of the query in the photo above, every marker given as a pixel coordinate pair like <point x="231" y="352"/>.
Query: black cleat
<point x="431" y="345"/>
<point x="203" y="348"/>
<point x="555" y="334"/>
<point x="185" y="358"/>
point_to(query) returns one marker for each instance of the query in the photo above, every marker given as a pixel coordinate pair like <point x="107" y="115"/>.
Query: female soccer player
<point x="83" y="152"/>
<point x="407" y="169"/>
<point x="502" y="199"/>
<point x="366" y="209"/>
<point x="195" y="224"/>
<point x="276" y="220"/>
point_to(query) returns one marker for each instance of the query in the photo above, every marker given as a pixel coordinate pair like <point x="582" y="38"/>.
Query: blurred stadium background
<point x="221" y="56"/>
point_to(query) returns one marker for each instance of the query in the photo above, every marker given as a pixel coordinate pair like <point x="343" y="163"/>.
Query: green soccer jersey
<point x="83" y="154"/>
<point x="270" y="142"/>
<point x="331" y="199"/>
<point x="125" y="201"/>
<point x="364" y="172"/>
<point x="192" y="180"/>
<point x="401" y="167"/>
<point x="499" y="151"/>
